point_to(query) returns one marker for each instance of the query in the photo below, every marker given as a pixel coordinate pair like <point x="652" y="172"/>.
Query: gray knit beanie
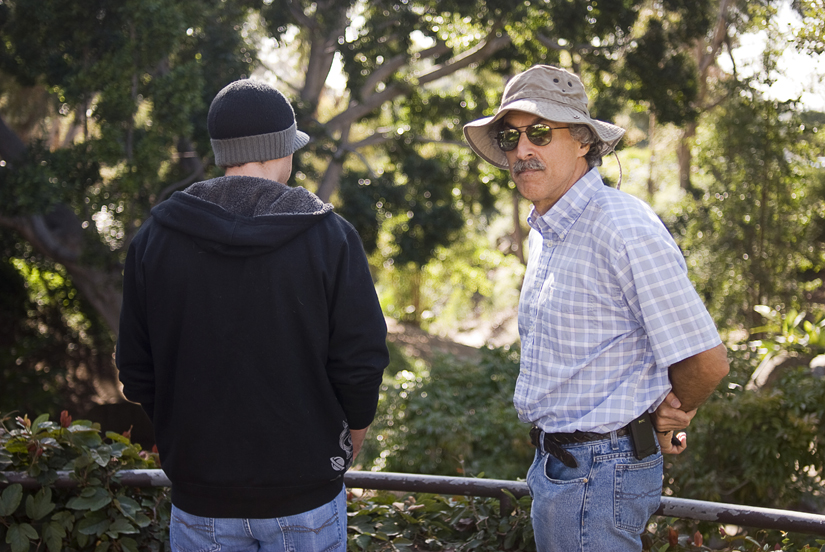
<point x="250" y="121"/>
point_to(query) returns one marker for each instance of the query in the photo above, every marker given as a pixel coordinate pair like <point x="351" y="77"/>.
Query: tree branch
<point x="356" y="110"/>
<point x="383" y="72"/>
<point x="720" y="34"/>
<point x="458" y="143"/>
<point x="491" y="44"/>
<point x="299" y="15"/>
<point x="380" y="136"/>
<point x="363" y="159"/>
<point x="394" y="64"/>
<point x="55" y="235"/>
<point x="322" y="52"/>
<point x="554" y="44"/>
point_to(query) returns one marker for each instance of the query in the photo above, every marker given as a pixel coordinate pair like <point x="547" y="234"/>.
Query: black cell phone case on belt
<point x="643" y="436"/>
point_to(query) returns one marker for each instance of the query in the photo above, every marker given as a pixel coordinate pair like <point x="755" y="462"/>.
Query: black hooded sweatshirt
<point x="252" y="335"/>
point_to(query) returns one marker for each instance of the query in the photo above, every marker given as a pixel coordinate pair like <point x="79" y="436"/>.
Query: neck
<point x="543" y="206"/>
<point x="278" y="170"/>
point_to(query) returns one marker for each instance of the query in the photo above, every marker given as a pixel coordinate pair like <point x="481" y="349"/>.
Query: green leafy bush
<point x="771" y="433"/>
<point x="101" y="515"/>
<point x="98" y="514"/>
<point x="455" y="419"/>
<point x="386" y="521"/>
<point x="770" y="455"/>
<point x="761" y="445"/>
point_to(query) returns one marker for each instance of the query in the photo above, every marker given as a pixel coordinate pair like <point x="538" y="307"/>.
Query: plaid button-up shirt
<point x="606" y="307"/>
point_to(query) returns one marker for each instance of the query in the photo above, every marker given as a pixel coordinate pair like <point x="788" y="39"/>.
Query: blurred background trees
<point x="103" y="111"/>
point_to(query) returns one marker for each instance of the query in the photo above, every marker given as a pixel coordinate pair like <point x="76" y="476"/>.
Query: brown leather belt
<point x="553" y="442"/>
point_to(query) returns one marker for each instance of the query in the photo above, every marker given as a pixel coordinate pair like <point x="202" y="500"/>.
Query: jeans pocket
<point x="189" y="533"/>
<point x="322" y="529"/>
<point x="637" y="493"/>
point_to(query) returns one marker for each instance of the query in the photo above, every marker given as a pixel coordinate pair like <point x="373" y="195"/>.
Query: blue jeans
<point x="603" y="504"/>
<point x="323" y="529"/>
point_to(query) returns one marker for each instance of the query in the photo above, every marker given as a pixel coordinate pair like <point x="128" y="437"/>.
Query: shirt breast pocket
<point x="561" y="310"/>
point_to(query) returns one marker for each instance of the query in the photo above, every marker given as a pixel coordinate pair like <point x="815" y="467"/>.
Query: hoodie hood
<point x="241" y="215"/>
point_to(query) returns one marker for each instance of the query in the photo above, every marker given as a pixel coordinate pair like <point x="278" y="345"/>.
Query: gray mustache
<point x="531" y="164"/>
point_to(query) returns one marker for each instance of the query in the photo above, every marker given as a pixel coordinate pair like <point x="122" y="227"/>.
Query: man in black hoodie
<point x="252" y="335"/>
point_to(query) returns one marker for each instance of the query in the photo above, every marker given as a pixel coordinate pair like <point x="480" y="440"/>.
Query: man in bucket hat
<point x="617" y="349"/>
<point x="252" y="336"/>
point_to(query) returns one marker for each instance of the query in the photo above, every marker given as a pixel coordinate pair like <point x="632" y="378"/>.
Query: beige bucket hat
<point x="549" y="92"/>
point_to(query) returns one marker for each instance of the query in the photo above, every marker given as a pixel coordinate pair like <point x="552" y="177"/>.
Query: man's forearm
<point x="694" y="378"/>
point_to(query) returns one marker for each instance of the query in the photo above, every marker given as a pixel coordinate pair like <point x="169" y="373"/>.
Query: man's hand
<point x="668" y="443"/>
<point x="670" y="416"/>
<point x="358" y="436"/>
<point x="693" y="379"/>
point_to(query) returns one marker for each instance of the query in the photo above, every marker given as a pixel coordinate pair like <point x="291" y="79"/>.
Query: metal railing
<point x="734" y="514"/>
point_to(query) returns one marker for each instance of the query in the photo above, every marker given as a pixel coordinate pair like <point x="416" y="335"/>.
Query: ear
<point x="583" y="149"/>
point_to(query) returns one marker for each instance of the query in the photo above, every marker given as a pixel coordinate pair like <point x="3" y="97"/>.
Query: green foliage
<point x="768" y="458"/>
<point x="771" y="433"/>
<point x="678" y="535"/>
<point x="673" y="90"/>
<point x="792" y="332"/>
<point x="99" y="514"/>
<point x="47" y="333"/>
<point x="420" y="198"/>
<point x="133" y="75"/>
<point x="393" y="521"/>
<point x="43" y="179"/>
<point x="384" y="521"/>
<point x="456" y="419"/>
<point x="755" y="237"/>
<point x="473" y="279"/>
<point x="443" y="186"/>
<point x="811" y="34"/>
<point x="120" y="92"/>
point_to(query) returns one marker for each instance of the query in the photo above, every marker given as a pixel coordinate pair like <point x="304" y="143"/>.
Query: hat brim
<point x="301" y="140"/>
<point x="482" y="140"/>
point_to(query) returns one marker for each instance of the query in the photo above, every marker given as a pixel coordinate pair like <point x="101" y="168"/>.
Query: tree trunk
<point x="651" y="136"/>
<point x="685" y="157"/>
<point x="58" y="236"/>
<point x="11" y="147"/>
<point x="705" y="54"/>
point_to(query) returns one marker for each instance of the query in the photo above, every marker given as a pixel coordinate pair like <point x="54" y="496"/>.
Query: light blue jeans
<point x="603" y="504"/>
<point x="323" y="529"/>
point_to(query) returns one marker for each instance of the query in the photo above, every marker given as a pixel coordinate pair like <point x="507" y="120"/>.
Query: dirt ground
<point x="464" y="342"/>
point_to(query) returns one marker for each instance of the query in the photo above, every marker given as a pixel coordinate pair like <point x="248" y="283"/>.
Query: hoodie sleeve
<point x="358" y="335"/>
<point x="134" y="352"/>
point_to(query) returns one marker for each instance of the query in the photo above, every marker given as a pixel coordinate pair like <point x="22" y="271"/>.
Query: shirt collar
<point x="560" y="217"/>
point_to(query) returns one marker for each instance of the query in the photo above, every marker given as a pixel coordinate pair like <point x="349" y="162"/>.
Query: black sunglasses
<point x="539" y="134"/>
